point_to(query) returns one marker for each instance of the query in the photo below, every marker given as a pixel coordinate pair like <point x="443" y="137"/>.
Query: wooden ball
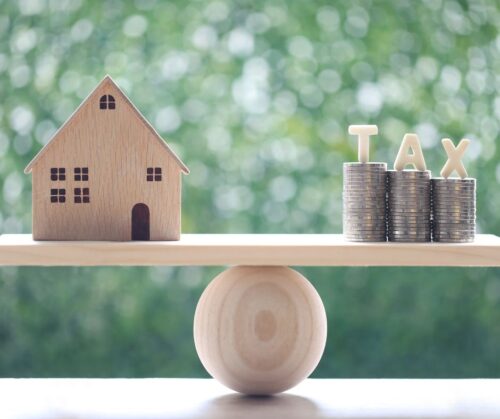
<point x="260" y="330"/>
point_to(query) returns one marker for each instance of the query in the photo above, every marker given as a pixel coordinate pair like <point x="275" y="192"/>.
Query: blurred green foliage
<point x="256" y="97"/>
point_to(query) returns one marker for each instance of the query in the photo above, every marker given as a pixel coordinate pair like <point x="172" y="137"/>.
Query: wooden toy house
<point x="106" y="175"/>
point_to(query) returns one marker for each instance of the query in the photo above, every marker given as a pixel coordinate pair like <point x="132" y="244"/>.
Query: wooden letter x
<point x="454" y="162"/>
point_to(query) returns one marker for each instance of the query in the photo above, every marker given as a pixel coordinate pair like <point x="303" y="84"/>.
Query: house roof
<point x="107" y="79"/>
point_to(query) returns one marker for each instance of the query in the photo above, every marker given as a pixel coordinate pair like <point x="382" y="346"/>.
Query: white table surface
<point x="204" y="398"/>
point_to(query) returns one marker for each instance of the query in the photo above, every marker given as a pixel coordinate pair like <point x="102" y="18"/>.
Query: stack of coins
<point x="454" y="210"/>
<point x="409" y="205"/>
<point x="364" y="196"/>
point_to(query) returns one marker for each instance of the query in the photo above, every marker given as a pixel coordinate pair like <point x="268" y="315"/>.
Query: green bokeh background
<point x="256" y="97"/>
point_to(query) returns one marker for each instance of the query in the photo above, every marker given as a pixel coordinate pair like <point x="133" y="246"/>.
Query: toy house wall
<point x="117" y="149"/>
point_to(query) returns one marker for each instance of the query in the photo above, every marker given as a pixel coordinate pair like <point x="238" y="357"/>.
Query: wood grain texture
<point x="180" y="398"/>
<point x="260" y="330"/>
<point x="117" y="146"/>
<point x="248" y="249"/>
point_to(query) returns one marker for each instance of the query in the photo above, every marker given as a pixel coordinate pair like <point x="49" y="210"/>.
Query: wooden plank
<point x="204" y="398"/>
<point x="248" y="249"/>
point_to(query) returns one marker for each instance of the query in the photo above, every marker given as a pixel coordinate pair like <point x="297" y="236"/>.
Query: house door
<point x="140" y="222"/>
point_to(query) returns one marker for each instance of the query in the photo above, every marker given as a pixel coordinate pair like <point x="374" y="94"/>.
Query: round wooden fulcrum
<point x="260" y="330"/>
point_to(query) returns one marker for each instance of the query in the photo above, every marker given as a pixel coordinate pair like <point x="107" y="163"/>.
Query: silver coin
<point x="414" y="233"/>
<point x="364" y="182"/>
<point x="377" y="237"/>
<point x="453" y="191"/>
<point x="403" y="237"/>
<point x="454" y="227"/>
<point x="409" y="172"/>
<point x="364" y="233"/>
<point x="360" y="177"/>
<point x="451" y="222"/>
<point x="409" y="232"/>
<point x="364" y="224"/>
<point x="442" y="200"/>
<point x="438" y="193"/>
<point x="466" y="221"/>
<point x="454" y="233"/>
<point x="456" y="211"/>
<point x="364" y="185"/>
<point x="409" y="226"/>
<point x="454" y="215"/>
<point x="463" y="239"/>
<point x="407" y="193"/>
<point x="400" y="215"/>
<point x="441" y="218"/>
<point x="413" y="184"/>
<point x="457" y="183"/>
<point x="453" y="204"/>
<point x="454" y="230"/>
<point x="453" y="187"/>
<point x="451" y="181"/>
<point x="364" y="196"/>
<point x="409" y="210"/>
<point x="367" y="164"/>
<point x="365" y="228"/>
<point x="395" y="180"/>
<point x="401" y="190"/>
<point x="367" y="219"/>
<point x="422" y="202"/>
<point x="409" y="239"/>
<point x="449" y="240"/>
<point x="460" y="213"/>
<point x="453" y="210"/>
<point x="357" y="172"/>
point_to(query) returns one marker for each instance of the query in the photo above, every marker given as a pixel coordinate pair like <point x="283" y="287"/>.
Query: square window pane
<point x="111" y="105"/>
<point x="78" y="191"/>
<point x="85" y="170"/>
<point x="86" y="199"/>
<point x="62" y="191"/>
<point x="53" y="199"/>
<point x="157" y="178"/>
<point x="62" y="199"/>
<point x="62" y="177"/>
<point x="150" y="170"/>
<point x="62" y="170"/>
<point x="85" y="191"/>
<point x="53" y="177"/>
<point x="53" y="170"/>
<point x="53" y="191"/>
<point x="78" y="178"/>
<point x="150" y="178"/>
<point x="78" y="199"/>
<point x="85" y="177"/>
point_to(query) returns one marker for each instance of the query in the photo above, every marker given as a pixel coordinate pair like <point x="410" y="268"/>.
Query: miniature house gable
<point x="106" y="175"/>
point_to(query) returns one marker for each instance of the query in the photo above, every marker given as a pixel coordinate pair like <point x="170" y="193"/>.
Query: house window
<point x="58" y="195"/>
<point x="107" y="102"/>
<point x="81" y="174"/>
<point x="153" y="174"/>
<point x="82" y="195"/>
<point x="57" y="173"/>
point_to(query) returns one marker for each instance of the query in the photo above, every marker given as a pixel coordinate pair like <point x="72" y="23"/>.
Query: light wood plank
<point x="248" y="249"/>
<point x="202" y="398"/>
